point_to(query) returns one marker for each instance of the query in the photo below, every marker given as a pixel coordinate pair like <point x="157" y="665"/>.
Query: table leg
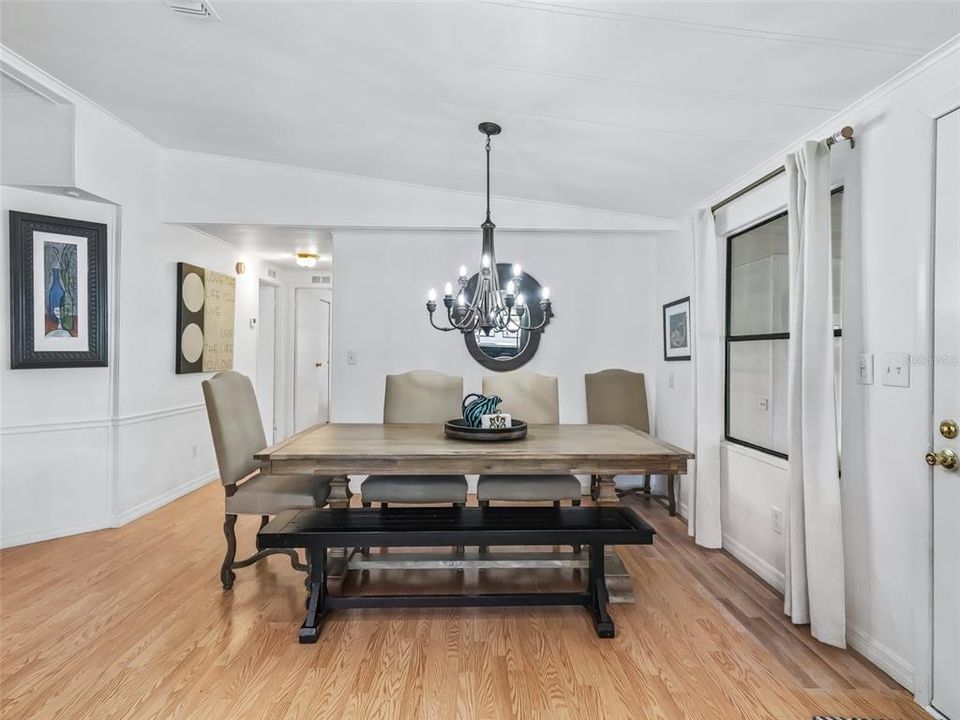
<point x="337" y="557"/>
<point x="671" y="495"/>
<point x="316" y="603"/>
<point x="618" y="583"/>
<point x="598" y="594"/>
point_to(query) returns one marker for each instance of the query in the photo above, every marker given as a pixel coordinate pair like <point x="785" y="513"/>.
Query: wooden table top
<point x="346" y="448"/>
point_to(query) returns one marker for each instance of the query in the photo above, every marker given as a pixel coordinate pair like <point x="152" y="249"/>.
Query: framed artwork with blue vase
<point x="58" y="292"/>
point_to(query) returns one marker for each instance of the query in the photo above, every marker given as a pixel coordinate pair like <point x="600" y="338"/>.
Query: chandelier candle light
<point x="491" y="309"/>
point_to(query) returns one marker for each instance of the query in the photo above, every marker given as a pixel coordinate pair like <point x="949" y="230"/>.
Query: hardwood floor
<point x="132" y="623"/>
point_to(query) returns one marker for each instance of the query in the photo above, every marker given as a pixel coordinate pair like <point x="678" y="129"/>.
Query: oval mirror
<point x="507" y="350"/>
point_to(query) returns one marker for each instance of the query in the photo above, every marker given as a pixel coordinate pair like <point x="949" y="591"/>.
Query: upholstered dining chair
<point x="534" y="399"/>
<point x="419" y="396"/>
<point x="617" y="397"/>
<point x="237" y="434"/>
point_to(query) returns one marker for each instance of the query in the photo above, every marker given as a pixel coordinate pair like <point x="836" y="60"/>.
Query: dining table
<point x="340" y="451"/>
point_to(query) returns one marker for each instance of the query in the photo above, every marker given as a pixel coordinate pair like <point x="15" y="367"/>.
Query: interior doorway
<point x="946" y="415"/>
<point x="311" y="394"/>
<point x="267" y="324"/>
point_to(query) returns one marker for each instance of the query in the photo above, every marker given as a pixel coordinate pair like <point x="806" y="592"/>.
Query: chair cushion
<point x="271" y="494"/>
<point x="528" y="487"/>
<point x="415" y="489"/>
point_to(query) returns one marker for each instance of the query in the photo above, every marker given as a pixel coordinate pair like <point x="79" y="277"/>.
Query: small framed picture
<point x="58" y="292"/>
<point x="676" y="330"/>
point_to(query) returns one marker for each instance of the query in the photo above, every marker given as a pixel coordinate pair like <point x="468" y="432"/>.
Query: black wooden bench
<point x="318" y="530"/>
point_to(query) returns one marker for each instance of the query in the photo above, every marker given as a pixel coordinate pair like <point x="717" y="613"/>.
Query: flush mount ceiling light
<point x="481" y="305"/>
<point x="307" y="259"/>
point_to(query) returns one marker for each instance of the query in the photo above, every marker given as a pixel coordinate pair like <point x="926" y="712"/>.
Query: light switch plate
<point x="865" y="376"/>
<point x="671" y="381"/>
<point x="351" y="357"/>
<point x="896" y="369"/>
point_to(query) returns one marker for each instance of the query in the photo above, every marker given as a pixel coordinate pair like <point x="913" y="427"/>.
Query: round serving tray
<point x="459" y="430"/>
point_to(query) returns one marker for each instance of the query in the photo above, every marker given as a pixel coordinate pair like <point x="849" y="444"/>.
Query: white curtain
<point x="814" y="548"/>
<point x="703" y="510"/>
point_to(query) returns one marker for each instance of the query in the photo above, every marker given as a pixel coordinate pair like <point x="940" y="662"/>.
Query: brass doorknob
<point x="946" y="458"/>
<point x="948" y="428"/>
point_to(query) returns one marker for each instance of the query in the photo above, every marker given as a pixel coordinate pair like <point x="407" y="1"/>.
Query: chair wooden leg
<point x="365" y="550"/>
<point x="460" y="548"/>
<point x="483" y="504"/>
<point x="646" y="484"/>
<point x="227" y="576"/>
<point x="576" y="503"/>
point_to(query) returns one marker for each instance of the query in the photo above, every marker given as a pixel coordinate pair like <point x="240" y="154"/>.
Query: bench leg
<point x="316" y="602"/>
<point x="598" y="594"/>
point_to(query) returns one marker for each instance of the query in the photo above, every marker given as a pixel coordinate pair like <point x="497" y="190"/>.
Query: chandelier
<point x="489" y="308"/>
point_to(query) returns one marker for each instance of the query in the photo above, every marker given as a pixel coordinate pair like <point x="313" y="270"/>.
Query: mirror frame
<point x="531" y="289"/>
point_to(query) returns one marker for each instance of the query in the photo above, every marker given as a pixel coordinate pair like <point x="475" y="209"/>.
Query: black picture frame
<point x="23" y="353"/>
<point x="666" y="343"/>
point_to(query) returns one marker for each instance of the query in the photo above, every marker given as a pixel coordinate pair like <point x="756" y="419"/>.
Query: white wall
<point x="54" y="424"/>
<point x="598" y="284"/>
<point x="94" y="447"/>
<point x="675" y="380"/>
<point x="886" y="299"/>
<point x="141" y="437"/>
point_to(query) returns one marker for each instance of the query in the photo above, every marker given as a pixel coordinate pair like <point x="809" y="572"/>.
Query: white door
<point x="311" y="392"/>
<point x="267" y="360"/>
<point x="946" y="408"/>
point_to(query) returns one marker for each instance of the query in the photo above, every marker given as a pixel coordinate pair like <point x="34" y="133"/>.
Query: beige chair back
<point x="526" y="396"/>
<point x="235" y="424"/>
<point x="422" y="396"/>
<point x="617" y="397"/>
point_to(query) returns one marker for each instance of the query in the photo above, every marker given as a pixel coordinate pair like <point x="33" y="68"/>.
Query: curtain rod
<point x="842" y="136"/>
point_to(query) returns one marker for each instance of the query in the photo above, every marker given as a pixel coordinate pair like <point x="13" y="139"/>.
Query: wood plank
<point x="132" y="622"/>
<point x="346" y="448"/>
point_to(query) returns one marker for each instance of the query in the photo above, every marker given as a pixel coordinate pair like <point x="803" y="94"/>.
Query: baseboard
<point x="35" y="536"/>
<point x="767" y="572"/>
<point x="160" y="500"/>
<point x="877" y="653"/>
<point x="102" y="523"/>
<point x="881" y="656"/>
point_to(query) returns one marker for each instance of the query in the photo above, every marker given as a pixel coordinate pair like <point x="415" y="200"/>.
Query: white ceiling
<point x="638" y="107"/>
<point x="276" y="243"/>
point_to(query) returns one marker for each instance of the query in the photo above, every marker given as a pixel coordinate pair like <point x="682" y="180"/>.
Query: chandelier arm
<point x="469" y="322"/>
<point x="439" y="327"/>
<point x="539" y="326"/>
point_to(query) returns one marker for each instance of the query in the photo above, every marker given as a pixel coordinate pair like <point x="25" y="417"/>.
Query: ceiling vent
<point x="321" y="279"/>
<point x="201" y="9"/>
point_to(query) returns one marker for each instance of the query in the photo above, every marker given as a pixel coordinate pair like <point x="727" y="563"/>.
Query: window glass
<point x="758" y="327"/>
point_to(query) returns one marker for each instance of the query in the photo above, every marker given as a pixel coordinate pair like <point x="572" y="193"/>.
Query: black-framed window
<point x="758" y="330"/>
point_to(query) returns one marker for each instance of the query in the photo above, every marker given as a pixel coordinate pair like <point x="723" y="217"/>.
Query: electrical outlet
<point x="776" y="520"/>
<point x="764" y="404"/>
<point x="865" y="376"/>
<point x="351" y="357"/>
<point x="672" y="381"/>
<point x="193" y="452"/>
<point x="896" y="369"/>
